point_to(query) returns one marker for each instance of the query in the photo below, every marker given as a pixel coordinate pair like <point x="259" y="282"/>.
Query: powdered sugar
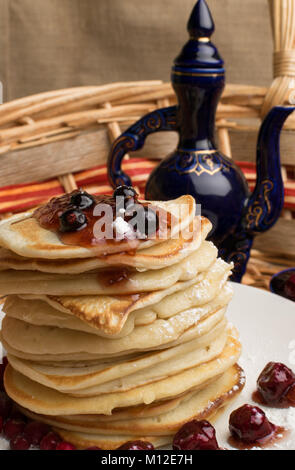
<point x="122" y="227"/>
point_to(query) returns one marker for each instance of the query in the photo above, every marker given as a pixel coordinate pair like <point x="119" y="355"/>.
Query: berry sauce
<point x="73" y="217"/>
<point x="279" y="433"/>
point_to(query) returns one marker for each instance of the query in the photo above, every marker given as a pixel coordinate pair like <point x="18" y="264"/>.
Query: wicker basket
<point x="59" y="133"/>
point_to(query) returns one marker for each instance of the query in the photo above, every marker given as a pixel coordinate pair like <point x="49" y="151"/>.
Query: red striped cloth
<point x="21" y="197"/>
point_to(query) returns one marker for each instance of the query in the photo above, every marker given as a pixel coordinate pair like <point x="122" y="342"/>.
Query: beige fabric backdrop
<point x="49" y="44"/>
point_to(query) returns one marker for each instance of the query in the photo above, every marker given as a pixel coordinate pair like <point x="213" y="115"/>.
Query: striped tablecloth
<point x="16" y="198"/>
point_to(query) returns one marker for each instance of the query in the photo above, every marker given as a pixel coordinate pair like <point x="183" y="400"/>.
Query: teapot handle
<point x="133" y="139"/>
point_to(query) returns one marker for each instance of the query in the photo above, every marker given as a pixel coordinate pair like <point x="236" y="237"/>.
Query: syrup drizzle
<point x="49" y="214"/>
<point x="114" y="277"/>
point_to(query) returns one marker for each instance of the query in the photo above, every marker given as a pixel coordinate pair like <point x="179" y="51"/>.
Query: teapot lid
<point x="199" y="52"/>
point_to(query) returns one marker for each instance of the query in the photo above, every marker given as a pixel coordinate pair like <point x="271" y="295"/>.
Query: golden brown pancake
<point x="44" y="400"/>
<point x="85" y="431"/>
<point x="109" y="315"/>
<point x="120" y="375"/>
<point x="41" y="343"/>
<point x="23" y="235"/>
<point x="109" y="281"/>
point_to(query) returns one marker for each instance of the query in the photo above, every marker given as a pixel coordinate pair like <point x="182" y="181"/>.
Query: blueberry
<point x="82" y="200"/>
<point x="124" y="196"/>
<point x="72" y="220"/>
<point x="125" y="191"/>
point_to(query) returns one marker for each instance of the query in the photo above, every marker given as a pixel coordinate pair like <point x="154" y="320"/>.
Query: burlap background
<point x="49" y="44"/>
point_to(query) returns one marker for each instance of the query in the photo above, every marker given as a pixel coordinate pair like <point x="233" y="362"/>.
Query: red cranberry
<point x="93" y="448"/>
<point x="5" y="405"/>
<point x="35" y="431"/>
<point x="13" y="427"/>
<point x="65" y="446"/>
<point x="274" y="383"/>
<point x="195" y="435"/>
<point x="19" y="443"/>
<point x="283" y="283"/>
<point x="136" y="445"/>
<point x="290" y="287"/>
<point x="249" y="424"/>
<point x="2" y="370"/>
<point x="50" y="441"/>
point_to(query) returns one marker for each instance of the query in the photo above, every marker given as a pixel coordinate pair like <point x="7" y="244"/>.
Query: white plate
<point x="266" y="323"/>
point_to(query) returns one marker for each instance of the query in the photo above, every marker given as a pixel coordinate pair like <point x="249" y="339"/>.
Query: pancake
<point x="102" y="315"/>
<point x="118" y="281"/>
<point x="156" y="257"/>
<point x="49" y="343"/>
<point x="37" y="312"/>
<point x="44" y="400"/>
<point x="201" y="404"/>
<point x="198" y="261"/>
<point x="109" y="314"/>
<point x="123" y="375"/>
<point x="166" y="253"/>
<point x="23" y="235"/>
<point x="10" y="260"/>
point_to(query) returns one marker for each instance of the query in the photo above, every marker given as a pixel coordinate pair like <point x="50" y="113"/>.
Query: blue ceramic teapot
<point x="196" y="167"/>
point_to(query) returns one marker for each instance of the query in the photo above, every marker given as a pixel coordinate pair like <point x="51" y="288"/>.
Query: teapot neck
<point x="198" y="99"/>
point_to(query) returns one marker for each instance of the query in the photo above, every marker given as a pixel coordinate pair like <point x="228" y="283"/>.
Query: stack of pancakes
<point x="116" y="346"/>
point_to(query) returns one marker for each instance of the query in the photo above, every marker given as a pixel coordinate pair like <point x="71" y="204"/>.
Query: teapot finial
<point x="199" y="52"/>
<point x="200" y="24"/>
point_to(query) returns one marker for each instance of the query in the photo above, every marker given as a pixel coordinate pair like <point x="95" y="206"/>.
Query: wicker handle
<point x="133" y="139"/>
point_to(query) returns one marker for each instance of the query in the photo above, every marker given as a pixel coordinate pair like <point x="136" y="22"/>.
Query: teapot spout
<point x="266" y="203"/>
